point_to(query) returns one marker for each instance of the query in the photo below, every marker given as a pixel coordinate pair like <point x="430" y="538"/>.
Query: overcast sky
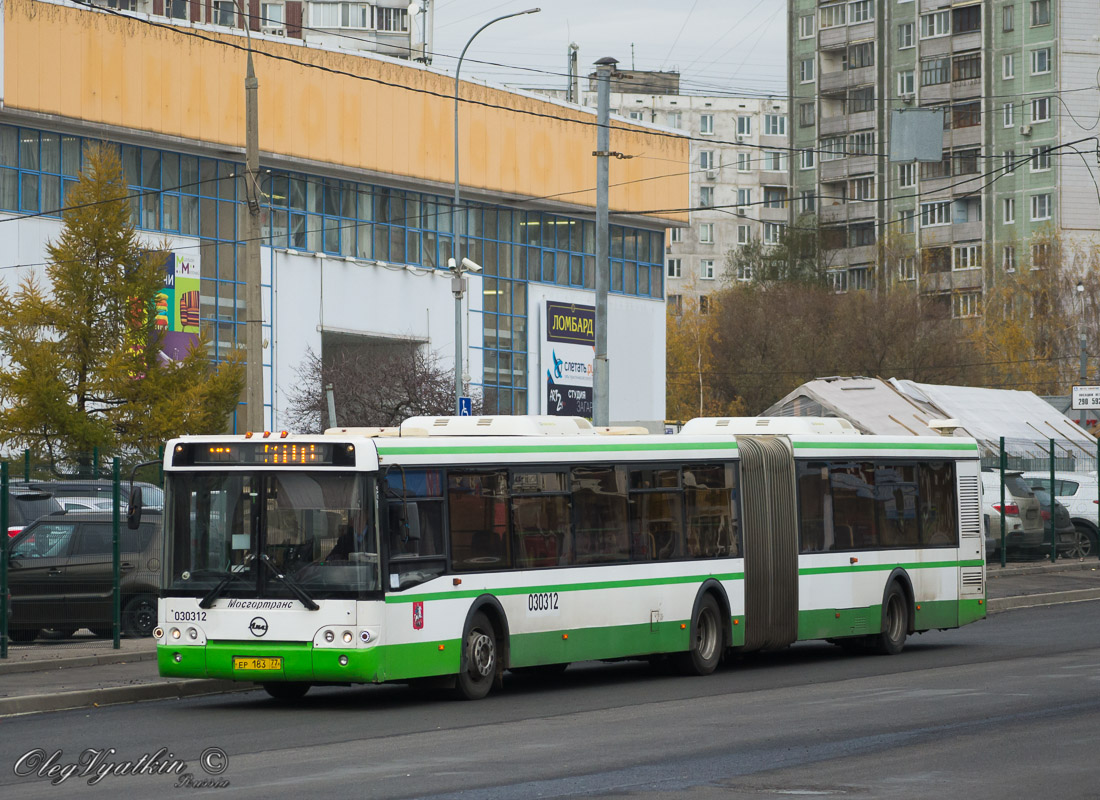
<point x="719" y="46"/>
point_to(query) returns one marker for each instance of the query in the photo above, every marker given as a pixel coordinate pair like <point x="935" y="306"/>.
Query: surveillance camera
<point x="451" y="264"/>
<point x="471" y="266"/>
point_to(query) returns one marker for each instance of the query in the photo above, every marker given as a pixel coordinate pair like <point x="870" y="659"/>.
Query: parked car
<point x="1023" y="520"/>
<point x="85" y="504"/>
<point x="1064" y="531"/>
<point x="61" y="574"/>
<point x="25" y="505"/>
<point x="1077" y="491"/>
<point x="152" y="495"/>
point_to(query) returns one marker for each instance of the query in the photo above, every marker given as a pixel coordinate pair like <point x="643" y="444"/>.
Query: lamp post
<point x="458" y="263"/>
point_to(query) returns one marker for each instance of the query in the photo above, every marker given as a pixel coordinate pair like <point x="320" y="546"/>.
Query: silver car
<point x="1023" y="521"/>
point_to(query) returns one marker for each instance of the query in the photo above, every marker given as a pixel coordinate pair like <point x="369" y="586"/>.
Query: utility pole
<point x="601" y="406"/>
<point x="254" y="370"/>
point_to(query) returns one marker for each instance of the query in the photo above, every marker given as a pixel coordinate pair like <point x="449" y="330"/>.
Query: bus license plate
<point x="271" y="663"/>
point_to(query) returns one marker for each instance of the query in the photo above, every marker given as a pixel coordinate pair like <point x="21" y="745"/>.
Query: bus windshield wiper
<point x="290" y="583"/>
<point x="230" y="575"/>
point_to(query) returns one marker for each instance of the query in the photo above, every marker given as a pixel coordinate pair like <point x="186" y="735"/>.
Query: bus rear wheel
<point x="479" y="659"/>
<point x="706" y="640"/>
<point x="895" y="622"/>
<point x="290" y="690"/>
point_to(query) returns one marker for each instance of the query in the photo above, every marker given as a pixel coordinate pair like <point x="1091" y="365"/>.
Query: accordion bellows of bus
<point x="456" y="549"/>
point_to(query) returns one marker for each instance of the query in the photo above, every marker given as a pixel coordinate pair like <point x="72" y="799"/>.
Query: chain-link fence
<point x="72" y="572"/>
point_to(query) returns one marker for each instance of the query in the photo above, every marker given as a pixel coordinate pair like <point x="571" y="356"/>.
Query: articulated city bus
<point x="456" y="548"/>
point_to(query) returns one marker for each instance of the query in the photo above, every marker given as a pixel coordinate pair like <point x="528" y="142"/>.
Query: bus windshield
<point x="271" y="534"/>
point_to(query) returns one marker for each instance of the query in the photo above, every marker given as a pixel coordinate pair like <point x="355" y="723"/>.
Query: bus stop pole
<point x="1050" y="522"/>
<point x="115" y="554"/>
<point x="1004" y="464"/>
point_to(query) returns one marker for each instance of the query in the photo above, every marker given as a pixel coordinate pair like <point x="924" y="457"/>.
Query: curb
<point x="998" y="604"/>
<point x="9" y="667"/>
<point x="86" y="698"/>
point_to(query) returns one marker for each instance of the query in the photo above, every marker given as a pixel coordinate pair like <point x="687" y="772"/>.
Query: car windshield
<point x="227" y="530"/>
<point x="1017" y="486"/>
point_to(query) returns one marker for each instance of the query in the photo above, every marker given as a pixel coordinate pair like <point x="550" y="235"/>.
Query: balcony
<point x="853" y="255"/>
<point x="861" y="210"/>
<point x="833" y="81"/>
<point x="834" y="170"/>
<point x="967" y="278"/>
<point x="861" y="121"/>
<point x="939" y="46"/>
<point x="833" y="125"/>
<point x="861" y="76"/>
<point x="963" y="137"/>
<point x="970" y="87"/>
<point x="861" y="165"/>
<point x="935" y="94"/>
<point x="967" y="231"/>
<point x="863" y="30"/>
<point x="773" y="214"/>
<point x="936" y="235"/>
<point x="935" y="282"/>
<point x="833" y="213"/>
<point x="933" y="188"/>
<point x="832" y="38"/>
<point x="971" y="40"/>
<point x="934" y="5"/>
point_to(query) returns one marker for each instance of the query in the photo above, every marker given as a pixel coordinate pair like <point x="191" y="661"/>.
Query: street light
<point x="459" y="265"/>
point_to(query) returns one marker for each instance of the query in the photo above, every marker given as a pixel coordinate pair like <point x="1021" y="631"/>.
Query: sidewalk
<point x="61" y="675"/>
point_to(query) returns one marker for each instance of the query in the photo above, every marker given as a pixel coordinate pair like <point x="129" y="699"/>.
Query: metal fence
<point x="72" y="572"/>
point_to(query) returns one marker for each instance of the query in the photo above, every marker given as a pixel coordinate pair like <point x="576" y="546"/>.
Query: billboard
<point x="176" y="306"/>
<point x="568" y="350"/>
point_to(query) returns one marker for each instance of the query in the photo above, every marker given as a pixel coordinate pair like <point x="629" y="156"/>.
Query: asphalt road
<point x="1008" y="707"/>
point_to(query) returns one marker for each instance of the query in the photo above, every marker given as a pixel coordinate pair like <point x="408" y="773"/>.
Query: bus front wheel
<point x="706" y="640"/>
<point x="479" y="659"/>
<point x="895" y="622"/>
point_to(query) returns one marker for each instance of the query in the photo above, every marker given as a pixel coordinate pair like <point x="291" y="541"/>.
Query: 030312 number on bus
<point x="543" y="604"/>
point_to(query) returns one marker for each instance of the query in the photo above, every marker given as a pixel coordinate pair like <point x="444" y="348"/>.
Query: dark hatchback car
<point x="61" y="574"/>
<point x="1064" y="529"/>
<point x="25" y="505"/>
<point x="152" y="496"/>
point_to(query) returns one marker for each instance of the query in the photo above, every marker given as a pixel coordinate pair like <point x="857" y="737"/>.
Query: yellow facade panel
<point x="363" y="113"/>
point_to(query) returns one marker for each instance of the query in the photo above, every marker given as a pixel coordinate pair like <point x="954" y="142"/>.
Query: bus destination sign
<point x="264" y="454"/>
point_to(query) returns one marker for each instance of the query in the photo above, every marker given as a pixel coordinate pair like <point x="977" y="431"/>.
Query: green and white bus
<point x="456" y="548"/>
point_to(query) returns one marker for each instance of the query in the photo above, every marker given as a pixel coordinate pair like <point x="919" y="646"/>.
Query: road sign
<point x="465" y="407"/>
<point x="1086" y="397"/>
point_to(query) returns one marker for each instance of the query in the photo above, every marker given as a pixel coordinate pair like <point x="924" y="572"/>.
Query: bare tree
<point x="374" y="385"/>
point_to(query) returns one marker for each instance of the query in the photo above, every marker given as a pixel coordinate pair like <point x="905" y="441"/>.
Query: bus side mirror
<point x="133" y="512"/>
<point x="411" y="512"/>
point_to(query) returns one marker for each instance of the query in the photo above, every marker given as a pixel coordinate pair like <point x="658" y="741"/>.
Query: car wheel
<point x="479" y="659"/>
<point x="139" y="616"/>
<point x="1080" y="544"/>
<point x="22" y="636"/>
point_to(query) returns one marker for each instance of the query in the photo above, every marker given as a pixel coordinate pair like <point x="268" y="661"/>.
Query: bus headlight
<point x="175" y="633"/>
<point x="348" y="637"/>
<point x="158" y="633"/>
<point x="330" y="636"/>
<point x="343" y="661"/>
<point x="194" y="634"/>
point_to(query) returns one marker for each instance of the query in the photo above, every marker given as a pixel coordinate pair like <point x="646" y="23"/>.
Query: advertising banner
<point x="568" y="350"/>
<point x="177" y="306"/>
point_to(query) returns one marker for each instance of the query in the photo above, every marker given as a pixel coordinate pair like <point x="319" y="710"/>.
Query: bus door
<point x="769" y="503"/>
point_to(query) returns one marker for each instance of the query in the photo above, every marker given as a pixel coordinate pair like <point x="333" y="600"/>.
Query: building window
<point x="771" y="232"/>
<point x="833" y="16"/>
<point x="744" y="273"/>
<point x="907" y="220"/>
<point x="274" y="15"/>
<point x="1040" y="255"/>
<point x="832" y="148"/>
<point x="838" y="279"/>
<point x="1010" y="161"/>
<point x="744" y="198"/>
<point x="744" y="126"/>
<point x="744" y="162"/>
<point x="966" y="304"/>
<point x="862" y="99"/>
<point x="1040" y="159"/>
<point x="935" y="71"/>
<point x="861" y="235"/>
<point x="225" y="13"/>
<point x="675" y="235"/>
<point x="1040" y="207"/>
<point x="673" y="119"/>
<point x="935" y="24"/>
<point x="966" y="115"/>
<point x="936" y="169"/>
<point x="860" y="11"/>
<point x="807" y="201"/>
<point x="674" y="268"/>
<point x="706" y="233"/>
<point x="704" y="304"/>
<point x="1008" y="258"/>
<point x="806" y="115"/>
<point x="1040" y="12"/>
<point x="774" y="124"/>
<point x="675" y="304"/>
<point x="395" y="20"/>
<point x="806" y="26"/>
<point x="1007" y="22"/>
<point x="1040" y="109"/>
<point x="905" y="36"/>
<point x="967" y="67"/>
<point x="1008" y="66"/>
<point x="861" y="189"/>
<point x="1007" y="108"/>
<point x="932" y="214"/>
<point x="636" y="115"/>
<point x="907" y="175"/>
<point x="775" y="161"/>
<point x="906" y="82"/>
<point x="177" y="9"/>
<point x="907" y="268"/>
<point x="706" y="159"/>
<point x="861" y="144"/>
<point x="806" y="159"/>
<point x="775" y="197"/>
<point x="706" y="123"/>
<point x="706" y="269"/>
<point x="1009" y="210"/>
<point x="861" y="55"/>
<point x="1040" y="61"/>
<point x="967" y="256"/>
<point x="859" y="278"/>
<point x="966" y="162"/>
<point x="806" y="70"/>
<point x="742" y="234"/>
<point x="706" y="196"/>
<point x="966" y="19"/>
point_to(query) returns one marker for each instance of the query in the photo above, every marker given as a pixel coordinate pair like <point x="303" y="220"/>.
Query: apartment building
<point x="1016" y="82"/>
<point x="738" y="174"/>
